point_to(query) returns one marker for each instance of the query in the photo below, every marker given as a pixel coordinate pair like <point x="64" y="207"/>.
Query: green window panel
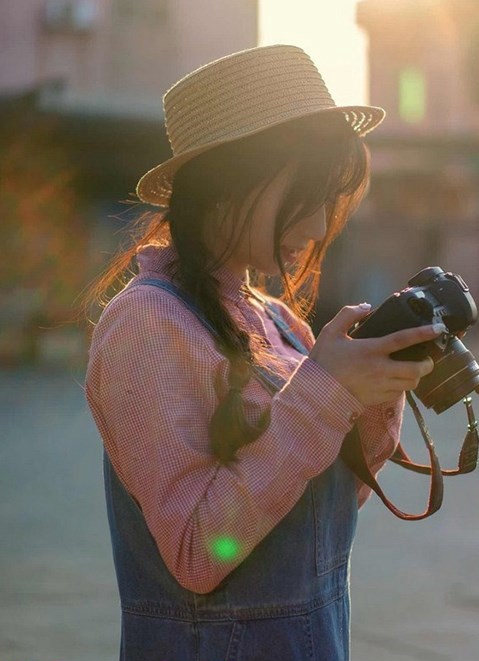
<point x="412" y="96"/>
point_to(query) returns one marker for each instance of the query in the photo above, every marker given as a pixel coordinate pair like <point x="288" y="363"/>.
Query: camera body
<point x="433" y="296"/>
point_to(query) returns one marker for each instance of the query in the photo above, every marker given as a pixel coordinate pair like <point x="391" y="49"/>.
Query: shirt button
<point x="353" y="417"/>
<point x="389" y="413"/>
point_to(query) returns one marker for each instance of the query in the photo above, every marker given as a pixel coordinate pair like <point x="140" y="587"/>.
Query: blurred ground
<point x="415" y="586"/>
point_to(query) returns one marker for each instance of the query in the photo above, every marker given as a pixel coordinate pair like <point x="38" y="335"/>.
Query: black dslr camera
<point x="433" y="296"/>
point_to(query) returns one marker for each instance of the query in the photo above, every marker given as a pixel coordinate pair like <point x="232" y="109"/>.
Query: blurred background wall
<point x="423" y="204"/>
<point x="80" y="121"/>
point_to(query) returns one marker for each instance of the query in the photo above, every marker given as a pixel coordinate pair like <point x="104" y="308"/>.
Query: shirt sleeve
<point x="379" y="429"/>
<point x="379" y="426"/>
<point x="151" y="387"/>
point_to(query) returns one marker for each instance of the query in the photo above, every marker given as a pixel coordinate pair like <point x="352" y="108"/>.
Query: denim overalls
<point x="287" y="601"/>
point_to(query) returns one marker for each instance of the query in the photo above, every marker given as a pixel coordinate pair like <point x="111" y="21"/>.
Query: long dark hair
<point x="330" y="167"/>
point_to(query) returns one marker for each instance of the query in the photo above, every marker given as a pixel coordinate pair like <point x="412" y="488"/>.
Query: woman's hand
<point x="364" y="366"/>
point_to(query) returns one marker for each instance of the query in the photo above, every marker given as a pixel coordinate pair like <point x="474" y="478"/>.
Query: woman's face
<point x="255" y="247"/>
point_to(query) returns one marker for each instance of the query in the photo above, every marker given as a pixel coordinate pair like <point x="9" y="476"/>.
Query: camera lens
<point x="455" y="375"/>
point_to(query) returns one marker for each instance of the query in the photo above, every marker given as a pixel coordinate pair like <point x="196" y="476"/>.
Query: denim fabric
<point x="287" y="601"/>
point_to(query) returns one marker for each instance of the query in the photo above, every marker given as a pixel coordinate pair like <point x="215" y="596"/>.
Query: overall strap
<point x="184" y="298"/>
<point x="272" y="382"/>
<point x="273" y="312"/>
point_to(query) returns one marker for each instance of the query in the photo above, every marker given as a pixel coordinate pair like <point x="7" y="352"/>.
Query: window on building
<point x="70" y="15"/>
<point x="144" y="10"/>
<point x="412" y="95"/>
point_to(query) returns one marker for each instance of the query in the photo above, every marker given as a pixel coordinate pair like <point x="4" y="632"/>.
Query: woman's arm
<point x="151" y="385"/>
<point x="379" y="429"/>
<point x="379" y="426"/>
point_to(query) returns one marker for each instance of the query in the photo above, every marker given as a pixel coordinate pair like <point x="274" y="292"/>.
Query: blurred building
<point x="423" y="204"/>
<point x="81" y="83"/>
<point x="116" y="56"/>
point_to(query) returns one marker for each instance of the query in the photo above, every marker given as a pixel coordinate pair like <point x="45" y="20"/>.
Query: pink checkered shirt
<point x="153" y="382"/>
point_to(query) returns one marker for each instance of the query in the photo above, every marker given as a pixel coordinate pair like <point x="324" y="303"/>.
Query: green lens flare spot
<point x="412" y="95"/>
<point x="225" y="548"/>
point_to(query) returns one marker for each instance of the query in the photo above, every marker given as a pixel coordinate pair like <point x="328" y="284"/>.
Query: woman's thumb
<point x="348" y="316"/>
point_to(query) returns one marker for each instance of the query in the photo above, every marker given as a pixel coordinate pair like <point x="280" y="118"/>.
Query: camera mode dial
<point x="425" y="276"/>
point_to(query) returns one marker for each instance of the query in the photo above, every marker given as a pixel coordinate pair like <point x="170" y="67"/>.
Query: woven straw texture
<point x="240" y="95"/>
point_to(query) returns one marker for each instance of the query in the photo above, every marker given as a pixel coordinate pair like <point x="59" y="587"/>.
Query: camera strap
<point x="469" y="452"/>
<point x="353" y="455"/>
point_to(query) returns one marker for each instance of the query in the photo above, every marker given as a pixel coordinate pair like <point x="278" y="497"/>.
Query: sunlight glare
<point x="328" y="33"/>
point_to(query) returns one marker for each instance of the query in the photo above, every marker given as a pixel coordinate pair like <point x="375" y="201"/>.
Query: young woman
<point x="231" y="512"/>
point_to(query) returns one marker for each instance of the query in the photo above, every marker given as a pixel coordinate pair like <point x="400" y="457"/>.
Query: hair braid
<point x="229" y="428"/>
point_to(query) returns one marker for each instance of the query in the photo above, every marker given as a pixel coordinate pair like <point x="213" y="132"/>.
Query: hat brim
<point x="155" y="186"/>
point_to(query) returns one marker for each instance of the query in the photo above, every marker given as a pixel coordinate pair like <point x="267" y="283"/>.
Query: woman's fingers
<point x="347" y="317"/>
<point x="410" y="369"/>
<point x="409" y="336"/>
<point x="404" y="384"/>
<point x="365" y="366"/>
<point x="401" y="379"/>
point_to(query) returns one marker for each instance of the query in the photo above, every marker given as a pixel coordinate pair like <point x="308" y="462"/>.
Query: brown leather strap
<point x="469" y="452"/>
<point x="353" y="455"/>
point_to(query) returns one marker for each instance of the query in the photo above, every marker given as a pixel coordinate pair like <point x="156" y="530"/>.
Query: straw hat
<point x="240" y="95"/>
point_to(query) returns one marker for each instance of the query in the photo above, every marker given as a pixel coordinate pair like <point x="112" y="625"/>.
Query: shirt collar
<point x="157" y="260"/>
